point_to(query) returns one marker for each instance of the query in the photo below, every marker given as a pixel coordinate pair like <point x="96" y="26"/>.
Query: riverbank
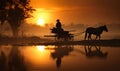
<point x="29" y="41"/>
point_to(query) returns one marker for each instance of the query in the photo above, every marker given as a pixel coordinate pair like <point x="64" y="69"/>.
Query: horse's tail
<point x="85" y="35"/>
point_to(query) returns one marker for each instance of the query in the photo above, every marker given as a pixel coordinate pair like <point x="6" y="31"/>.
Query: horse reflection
<point x="16" y="61"/>
<point x="94" y="52"/>
<point x="3" y="17"/>
<point x="2" y="61"/>
<point x="60" y="52"/>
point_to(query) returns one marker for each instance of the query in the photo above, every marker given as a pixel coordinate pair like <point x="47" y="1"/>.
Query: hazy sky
<point x="80" y="11"/>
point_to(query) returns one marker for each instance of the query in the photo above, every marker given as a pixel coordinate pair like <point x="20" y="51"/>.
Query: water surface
<point x="59" y="58"/>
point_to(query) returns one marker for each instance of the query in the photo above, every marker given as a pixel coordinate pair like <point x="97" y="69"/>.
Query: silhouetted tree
<point x="15" y="11"/>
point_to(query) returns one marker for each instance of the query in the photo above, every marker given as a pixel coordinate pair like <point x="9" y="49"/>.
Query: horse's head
<point x="105" y="28"/>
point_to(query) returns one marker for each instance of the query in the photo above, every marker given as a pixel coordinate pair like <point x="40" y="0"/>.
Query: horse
<point x="95" y="31"/>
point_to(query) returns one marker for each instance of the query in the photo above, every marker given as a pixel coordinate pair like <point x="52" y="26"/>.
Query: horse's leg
<point x="86" y="51"/>
<point x="85" y="35"/>
<point x="96" y="37"/>
<point x="89" y="37"/>
<point x="99" y="37"/>
<point x="89" y="48"/>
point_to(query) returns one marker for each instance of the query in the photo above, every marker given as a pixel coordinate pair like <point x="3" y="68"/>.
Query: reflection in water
<point x="41" y="48"/>
<point x="60" y="52"/>
<point x="94" y="52"/>
<point x="16" y="60"/>
<point x="47" y="58"/>
<point x="2" y="61"/>
<point x="36" y="56"/>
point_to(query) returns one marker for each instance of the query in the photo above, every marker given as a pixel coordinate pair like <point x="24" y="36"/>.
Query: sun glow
<point x="41" y="22"/>
<point x="41" y="17"/>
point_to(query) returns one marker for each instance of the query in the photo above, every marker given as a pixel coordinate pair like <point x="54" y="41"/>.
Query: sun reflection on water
<point x="41" y="48"/>
<point x="37" y="55"/>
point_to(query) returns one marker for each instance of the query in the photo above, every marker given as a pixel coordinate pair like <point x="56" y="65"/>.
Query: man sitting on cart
<point x="59" y="26"/>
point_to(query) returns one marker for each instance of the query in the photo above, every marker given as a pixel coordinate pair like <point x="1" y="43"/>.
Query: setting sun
<point x="40" y="17"/>
<point x="41" y="22"/>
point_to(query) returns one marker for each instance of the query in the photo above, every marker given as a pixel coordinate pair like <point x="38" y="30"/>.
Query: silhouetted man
<point x="58" y="24"/>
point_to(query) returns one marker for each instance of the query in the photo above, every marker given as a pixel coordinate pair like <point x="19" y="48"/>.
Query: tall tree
<point x="15" y="11"/>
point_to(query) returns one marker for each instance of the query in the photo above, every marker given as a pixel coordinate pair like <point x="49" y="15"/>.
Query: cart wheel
<point x="72" y="38"/>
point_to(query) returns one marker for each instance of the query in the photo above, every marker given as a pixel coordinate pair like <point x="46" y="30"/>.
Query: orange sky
<point x="79" y="11"/>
